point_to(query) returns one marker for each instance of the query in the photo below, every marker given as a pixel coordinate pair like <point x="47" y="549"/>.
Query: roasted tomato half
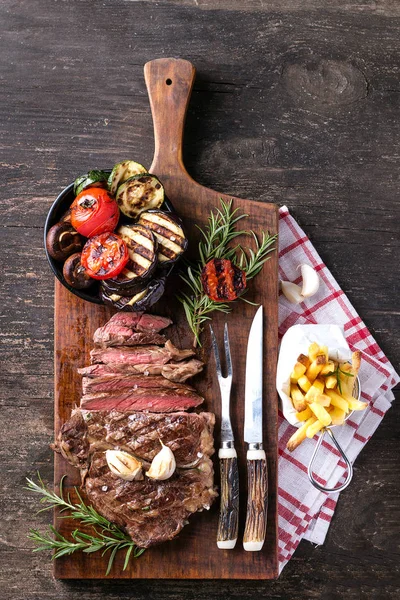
<point x="223" y="281"/>
<point x="94" y="211"/>
<point x="104" y="256"/>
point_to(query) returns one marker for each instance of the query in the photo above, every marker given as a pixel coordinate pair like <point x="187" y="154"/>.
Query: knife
<point x="229" y="507"/>
<point x="257" y="476"/>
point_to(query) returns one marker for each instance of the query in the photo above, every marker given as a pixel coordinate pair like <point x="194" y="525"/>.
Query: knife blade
<point x="257" y="476"/>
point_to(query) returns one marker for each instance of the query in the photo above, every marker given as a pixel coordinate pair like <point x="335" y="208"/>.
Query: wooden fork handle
<point x="257" y="500"/>
<point x="229" y="508"/>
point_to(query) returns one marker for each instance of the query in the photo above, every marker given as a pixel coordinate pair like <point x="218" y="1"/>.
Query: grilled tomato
<point x="104" y="256"/>
<point x="222" y="281"/>
<point x="93" y="212"/>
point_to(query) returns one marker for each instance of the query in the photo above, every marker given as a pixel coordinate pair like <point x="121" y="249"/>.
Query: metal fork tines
<point x="229" y="508"/>
<point x="225" y="385"/>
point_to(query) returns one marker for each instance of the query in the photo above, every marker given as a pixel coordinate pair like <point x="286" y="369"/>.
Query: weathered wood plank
<point x="259" y="126"/>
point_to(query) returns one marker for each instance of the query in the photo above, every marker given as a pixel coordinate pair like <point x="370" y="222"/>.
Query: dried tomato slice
<point x="223" y="281"/>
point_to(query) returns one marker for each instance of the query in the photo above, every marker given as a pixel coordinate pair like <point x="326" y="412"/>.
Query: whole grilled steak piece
<point x="113" y="382"/>
<point x="173" y="371"/>
<point x="189" y="435"/>
<point x="147" y="399"/>
<point x="151" y="511"/>
<point x="123" y="330"/>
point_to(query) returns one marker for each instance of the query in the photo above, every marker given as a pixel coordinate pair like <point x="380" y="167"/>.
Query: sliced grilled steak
<point x="180" y="371"/>
<point x="151" y="511"/>
<point x="122" y="330"/>
<point x="139" y="355"/>
<point x="189" y="435"/>
<point x="147" y="399"/>
<point x="130" y="356"/>
<point x="114" y="335"/>
<point x="112" y="383"/>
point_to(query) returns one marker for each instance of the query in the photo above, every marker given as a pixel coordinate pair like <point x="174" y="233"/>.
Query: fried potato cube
<point x="304" y="360"/>
<point x="304" y="414"/>
<point x="297" y="398"/>
<point x="337" y="415"/>
<point x="313" y="351"/>
<point x="353" y="403"/>
<point x="299" y="435"/>
<point x="323" y="351"/>
<point x="321" y="413"/>
<point x="331" y="382"/>
<point x="315" y="367"/>
<point x="337" y="400"/>
<point x="314" y="428"/>
<point x="316" y="389"/>
<point x="304" y="383"/>
<point x="330" y="367"/>
<point x="323" y="400"/>
<point x="298" y="371"/>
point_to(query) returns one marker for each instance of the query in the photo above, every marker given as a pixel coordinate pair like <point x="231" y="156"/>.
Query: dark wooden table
<point x="296" y="102"/>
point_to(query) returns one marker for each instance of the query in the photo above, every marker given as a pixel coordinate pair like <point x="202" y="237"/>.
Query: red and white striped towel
<point x="304" y="512"/>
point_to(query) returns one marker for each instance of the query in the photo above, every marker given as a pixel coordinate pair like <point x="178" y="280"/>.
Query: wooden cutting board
<point x="194" y="554"/>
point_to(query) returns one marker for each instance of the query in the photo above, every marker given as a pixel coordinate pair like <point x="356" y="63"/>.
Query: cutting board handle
<point x="169" y="84"/>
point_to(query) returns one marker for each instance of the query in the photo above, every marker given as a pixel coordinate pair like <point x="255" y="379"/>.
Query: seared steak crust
<point x="151" y="511"/>
<point x="189" y="435"/>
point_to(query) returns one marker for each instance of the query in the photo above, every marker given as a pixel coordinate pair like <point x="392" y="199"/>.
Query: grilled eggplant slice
<point x="91" y="179"/>
<point x="141" y="301"/>
<point x="139" y="193"/>
<point x="142" y="248"/>
<point x="123" y="171"/>
<point x="168" y="231"/>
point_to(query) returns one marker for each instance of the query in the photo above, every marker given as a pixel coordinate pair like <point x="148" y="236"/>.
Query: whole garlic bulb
<point x="124" y="465"/>
<point x="163" y="464"/>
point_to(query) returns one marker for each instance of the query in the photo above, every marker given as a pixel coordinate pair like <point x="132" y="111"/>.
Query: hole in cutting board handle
<point x="168" y="81"/>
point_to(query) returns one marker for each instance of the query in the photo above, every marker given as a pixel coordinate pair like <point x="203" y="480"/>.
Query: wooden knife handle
<point x="229" y="508"/>
<point x="257" y="500"/>
<point x="169" y="84"/>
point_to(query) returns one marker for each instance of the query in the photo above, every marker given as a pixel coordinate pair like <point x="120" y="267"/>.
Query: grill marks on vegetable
<point x="222" y="280"/>
<point x="142" y="248"/>
<point x="139" y="193"/>
<point x="168" y="232"/>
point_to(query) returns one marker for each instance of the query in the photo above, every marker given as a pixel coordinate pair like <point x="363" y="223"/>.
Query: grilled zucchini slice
<point x="139" y="193"/>
<point x="168" y="231"/>
<point x="142" y="249"/>
<point x="141" y="301"/>
<point x="91" y="179"/>
<point x="123" y="171"/>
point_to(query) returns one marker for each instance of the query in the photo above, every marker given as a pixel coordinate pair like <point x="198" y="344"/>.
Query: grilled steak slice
<point x="189" y="435"/>
<point x="139" y="355"/>
<point x="120" y="382"/>
<point x="151" y="511"/>
<point x="122" y="330"/>
<point x="148" y="399"/>
<point x="121" y="336"/>
<point x="130" y="356"/>
<point x="181" y="371"/>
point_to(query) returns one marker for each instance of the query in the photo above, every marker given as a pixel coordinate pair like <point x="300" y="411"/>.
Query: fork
<point x="229" y="508"/>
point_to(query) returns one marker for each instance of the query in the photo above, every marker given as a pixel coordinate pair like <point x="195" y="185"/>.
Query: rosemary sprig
<point x="337" y="373"/>
<point x="217" y="242"/>
<point x="106" y="536"/>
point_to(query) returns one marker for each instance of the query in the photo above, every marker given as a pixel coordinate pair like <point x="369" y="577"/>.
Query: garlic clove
<point x="124" y="465"/>
<point x="163" y="464"/>
<point x="310" y="281"/>
<point x="292" y="292"/>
